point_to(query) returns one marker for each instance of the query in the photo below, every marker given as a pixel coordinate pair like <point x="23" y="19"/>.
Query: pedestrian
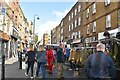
<point x="41" y="60"/>
<point x="100" y="65"/>
<point x="50" y="58"/>
<point x="60" y="60"/>
<point x="67" y="52"/>
<point x="30" y="60"/>
<point x="19" y="57"/>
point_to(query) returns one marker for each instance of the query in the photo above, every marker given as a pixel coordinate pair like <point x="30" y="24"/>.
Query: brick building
<point x="86" y="22"/>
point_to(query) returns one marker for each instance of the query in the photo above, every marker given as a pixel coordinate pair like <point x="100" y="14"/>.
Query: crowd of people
<point x="98" y="65"/>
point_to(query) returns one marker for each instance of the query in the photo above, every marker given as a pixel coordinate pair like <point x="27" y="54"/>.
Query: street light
<point x="34" y="27"/>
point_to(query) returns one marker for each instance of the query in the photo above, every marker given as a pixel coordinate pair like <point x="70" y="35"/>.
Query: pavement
<point x="12" y="71"/>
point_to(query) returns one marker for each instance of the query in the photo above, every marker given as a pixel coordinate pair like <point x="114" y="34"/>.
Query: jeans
<point x="42" y="64"/>
<point x="30" y="64"/>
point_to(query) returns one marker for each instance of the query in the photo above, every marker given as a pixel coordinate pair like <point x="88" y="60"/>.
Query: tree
<point x="36" y="38"/>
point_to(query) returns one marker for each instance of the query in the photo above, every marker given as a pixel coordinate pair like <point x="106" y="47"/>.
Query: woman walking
<point x="30" y="60"/>
<point x="50" y="58"/>
<point x="41" y="60"/>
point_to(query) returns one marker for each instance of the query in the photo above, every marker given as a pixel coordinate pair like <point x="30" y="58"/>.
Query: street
<point x="13" y="72"/>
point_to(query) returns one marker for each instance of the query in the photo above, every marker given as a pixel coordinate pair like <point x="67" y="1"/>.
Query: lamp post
<point x="34" y="27"/>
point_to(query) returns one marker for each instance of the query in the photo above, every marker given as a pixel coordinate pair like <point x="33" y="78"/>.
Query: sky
<point x="50" y="13"/>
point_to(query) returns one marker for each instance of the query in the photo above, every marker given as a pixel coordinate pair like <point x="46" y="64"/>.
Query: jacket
<point x="60" y="56"/>
<point x="41" y="56"/>
<point x="102" y="68"/>
<point x="49" y="54"/>
<point x="30" y="56"/>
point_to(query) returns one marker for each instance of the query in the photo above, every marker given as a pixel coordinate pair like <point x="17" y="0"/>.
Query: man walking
<point x="100" y="65"/>
<point x="60" y="60"/>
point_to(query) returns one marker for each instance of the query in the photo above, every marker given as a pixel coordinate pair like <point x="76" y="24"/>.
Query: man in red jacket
<point x="50" y="58"/>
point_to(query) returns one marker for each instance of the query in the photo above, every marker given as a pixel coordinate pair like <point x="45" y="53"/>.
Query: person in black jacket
<point x="30" y="60"/>
<point x="60" y="60"/>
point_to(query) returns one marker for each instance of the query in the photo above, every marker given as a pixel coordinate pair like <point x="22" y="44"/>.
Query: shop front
<point x="13" y="43"/>
<point x="4" y="38"/>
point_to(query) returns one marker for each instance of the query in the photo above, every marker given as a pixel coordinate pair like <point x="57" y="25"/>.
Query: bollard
<point x="3" y="68"/>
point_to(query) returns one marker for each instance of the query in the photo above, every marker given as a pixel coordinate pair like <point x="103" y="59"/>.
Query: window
<point x="107" y="2"/>
<point x="61" y="38"/>
<point x="87" y="40"/>
<point x="69" y="17"/>
<point x="79" y="8"/>
<point x="94" y="8"/>
<point x="108" y="21"/>
<point x="72" y="26"/>
<point x="75" y="11"/>
<point x="94" y="38"/>
<point x="119" y="14"/>
<point x="79" y="34"/>
<point x="88" y="29"/>
<point x="87" y="14"/>
<point x="61" y="23"/>
<point x="72" y="14"/>
<point x="79" y="21"/>
<point x="94" y="26"/>
<point x="69" y="27"/>
<point x="61" y="30"/>
<point x="87" y="1"/>
<point x="75" y="23"/>
<point x="90" y="39"/>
